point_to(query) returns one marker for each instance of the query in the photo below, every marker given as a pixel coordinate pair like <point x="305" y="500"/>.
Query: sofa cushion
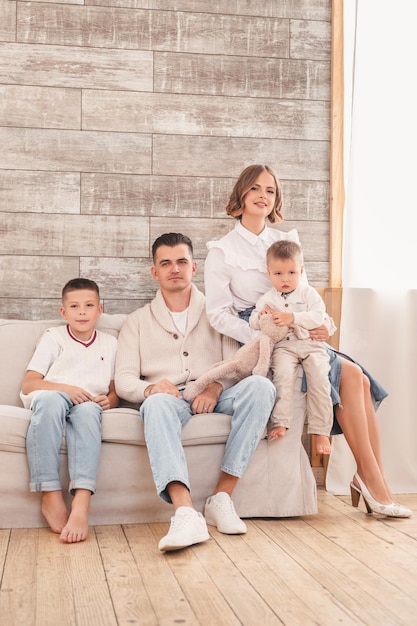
<point x="14" y="422"/>
<point x="124" y="425"/>
<point x="121" y="425"/>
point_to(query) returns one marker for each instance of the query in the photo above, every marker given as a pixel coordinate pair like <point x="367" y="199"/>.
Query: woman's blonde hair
<point x="245" y="181"/>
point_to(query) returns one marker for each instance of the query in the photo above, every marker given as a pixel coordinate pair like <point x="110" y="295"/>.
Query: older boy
<point x="68" y="383"/>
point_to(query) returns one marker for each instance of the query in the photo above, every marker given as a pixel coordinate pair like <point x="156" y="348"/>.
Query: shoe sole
<point x="171" y="547"/>
<point x="211" y="522"/>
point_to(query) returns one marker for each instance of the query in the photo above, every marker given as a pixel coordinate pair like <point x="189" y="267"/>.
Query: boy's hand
<point x="78" y="395"/>
<point x="103" y="401"/>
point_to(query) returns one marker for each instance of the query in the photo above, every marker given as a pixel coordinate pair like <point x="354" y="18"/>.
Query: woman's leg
<point x="357" y="417"/>
<point x="373" y="429"/>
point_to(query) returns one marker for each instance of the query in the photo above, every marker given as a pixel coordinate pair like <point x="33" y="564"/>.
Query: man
<point x="161" y="347"/>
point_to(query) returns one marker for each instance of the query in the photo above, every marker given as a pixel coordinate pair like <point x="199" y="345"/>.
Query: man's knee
<point x="259" y="386"/>
<point x="160" y="405"/>
<point x="156" y="402"/>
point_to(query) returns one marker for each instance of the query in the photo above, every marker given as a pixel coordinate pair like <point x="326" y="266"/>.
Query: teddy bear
<point x="252" y="358"/>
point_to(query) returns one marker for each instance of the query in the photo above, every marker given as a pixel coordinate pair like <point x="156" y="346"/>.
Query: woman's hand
<point x="321" y="333"/>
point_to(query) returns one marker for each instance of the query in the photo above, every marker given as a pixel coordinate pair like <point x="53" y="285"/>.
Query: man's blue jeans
<point x="52" y="414"/>
<point x="249" y="402"/>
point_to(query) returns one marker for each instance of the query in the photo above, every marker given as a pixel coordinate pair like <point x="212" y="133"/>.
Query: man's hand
<point x="207" y="399"/>
<point x="321" y="333"/>
<point x="163" y="386"/>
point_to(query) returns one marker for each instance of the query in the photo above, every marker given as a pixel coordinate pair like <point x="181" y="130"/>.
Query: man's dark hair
<point x="80" y="283"/>
<point x="171" y="240"/>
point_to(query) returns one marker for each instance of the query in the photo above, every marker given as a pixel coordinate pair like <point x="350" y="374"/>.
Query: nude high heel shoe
<point x="355" y="494"/>
<point x="372" y="506"/>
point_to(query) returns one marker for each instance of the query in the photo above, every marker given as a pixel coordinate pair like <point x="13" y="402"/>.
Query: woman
<point x="235" y="277"/>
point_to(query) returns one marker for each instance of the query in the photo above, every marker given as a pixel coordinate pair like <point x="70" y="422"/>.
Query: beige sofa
<point x="278" y="482"/>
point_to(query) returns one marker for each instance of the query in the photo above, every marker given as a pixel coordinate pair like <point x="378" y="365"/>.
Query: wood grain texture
<point x="76" y="67"/>
<point x="48" y="309"/>
<point x="310" y="39"/>
<point x="60" y="150"/>
<point x="39" y="192"/>
<point x="337" y="178"/>
<point x="127" y="278"/>
<point x="243" y="76"/>
<point x="340" y="566"/>
<point x="200" y="115"/>
<point x="186" y="155"/>
<point x="305" y="200"/>
<point x="189" y="196"/>
<point x="121" y="119"/>
<point x="18" y="272"/>
<point x="40" y="107"/>
<point x="301" y="9"/>
<point x="119" y="194"/>
<point x="159" y="30"/>
<point x="19" y="573"/>
<point x="122" y="278"/>
<point x="54" y="235"/>
<point x="30" y="308"/>
<point x="8" y="20"/>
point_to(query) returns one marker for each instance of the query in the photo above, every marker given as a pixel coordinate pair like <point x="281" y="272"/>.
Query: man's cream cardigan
<point x="150" y="348"/>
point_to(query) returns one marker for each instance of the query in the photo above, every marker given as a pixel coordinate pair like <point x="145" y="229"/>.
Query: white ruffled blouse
<point x="235" y="277"/>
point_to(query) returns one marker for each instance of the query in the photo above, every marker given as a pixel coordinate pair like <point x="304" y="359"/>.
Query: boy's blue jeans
<point x="249" y="402"/>
<point x="52" y="414"/>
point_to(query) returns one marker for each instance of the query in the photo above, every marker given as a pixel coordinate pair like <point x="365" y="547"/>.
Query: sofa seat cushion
<point x="14" y="422"/>
<point x="124" y="425"/>
<point x="121" y="425"/>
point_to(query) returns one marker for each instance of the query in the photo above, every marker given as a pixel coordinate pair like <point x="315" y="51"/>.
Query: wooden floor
<point x="338" y="567"/>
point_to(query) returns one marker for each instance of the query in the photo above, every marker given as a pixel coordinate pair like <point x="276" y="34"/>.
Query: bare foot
<point x="54" y="510"/>
<point x="76" y="528"/>
<point x="277" y="432"/>
<point x="323" y="445"/>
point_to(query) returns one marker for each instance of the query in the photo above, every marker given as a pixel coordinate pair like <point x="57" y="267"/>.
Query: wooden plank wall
<point x="123" y="119"/>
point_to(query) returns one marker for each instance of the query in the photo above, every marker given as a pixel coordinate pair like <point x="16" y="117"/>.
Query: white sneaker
<point x="219" y="511"/>
<point x="187" y="527"/>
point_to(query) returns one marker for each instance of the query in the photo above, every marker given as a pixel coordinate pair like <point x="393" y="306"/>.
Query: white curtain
<point x="379" y="313"/>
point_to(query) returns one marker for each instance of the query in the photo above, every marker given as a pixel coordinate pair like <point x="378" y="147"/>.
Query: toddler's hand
<point x="282" y="319"/>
